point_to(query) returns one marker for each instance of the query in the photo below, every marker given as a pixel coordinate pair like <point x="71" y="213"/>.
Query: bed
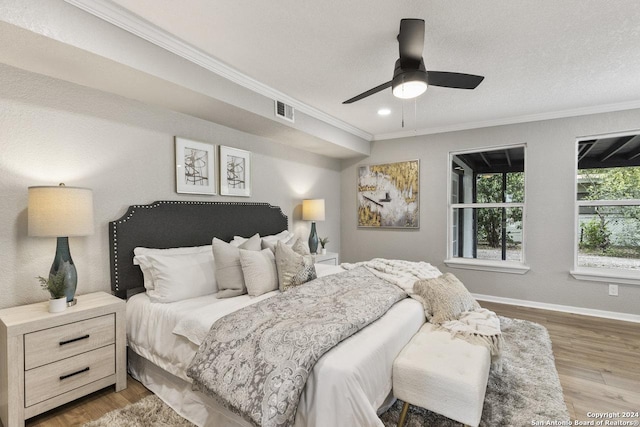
<point x="349" y="385"/>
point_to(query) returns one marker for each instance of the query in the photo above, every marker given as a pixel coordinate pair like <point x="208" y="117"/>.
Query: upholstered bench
<point x="445" y="375"/>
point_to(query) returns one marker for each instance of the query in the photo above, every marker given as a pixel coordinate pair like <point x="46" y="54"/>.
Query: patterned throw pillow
<point x="293" y="269"/>
<point x="444" y="298"/>
<point x="301" y="248"/>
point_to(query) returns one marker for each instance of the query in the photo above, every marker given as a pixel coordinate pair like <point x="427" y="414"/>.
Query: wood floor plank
<point x="571" y="370"/>
<point x="598" y="362"/>
<point x="90" y="407"/>
<point x="628" y="381"/>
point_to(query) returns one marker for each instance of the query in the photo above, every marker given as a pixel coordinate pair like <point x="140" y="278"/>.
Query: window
<point x="486" y="209"/>
<point x="608" y="206"/>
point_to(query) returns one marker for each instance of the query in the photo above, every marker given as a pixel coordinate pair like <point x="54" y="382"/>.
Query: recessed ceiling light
<point x="384" y="111"/>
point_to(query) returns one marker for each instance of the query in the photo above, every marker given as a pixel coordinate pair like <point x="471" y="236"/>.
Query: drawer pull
<point x="64" y="377"/>
<point x="84" y="337"/>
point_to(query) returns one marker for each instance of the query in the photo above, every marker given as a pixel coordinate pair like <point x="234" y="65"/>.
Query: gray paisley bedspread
<point x="256" y="361"/>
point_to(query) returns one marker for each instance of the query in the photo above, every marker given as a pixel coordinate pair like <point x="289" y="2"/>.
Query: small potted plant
<point x="56" y="287"/>
<point x="323" y="242"/>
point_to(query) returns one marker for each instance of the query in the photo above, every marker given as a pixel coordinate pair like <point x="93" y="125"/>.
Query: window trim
<point x="605" y="275"/>
<point x="498" y="266"/>
<point x="592" y="274"/>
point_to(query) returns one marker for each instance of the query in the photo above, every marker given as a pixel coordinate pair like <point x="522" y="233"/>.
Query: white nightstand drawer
<point x="85" y="345"/>
<point x="330" y="258"/>
<point x="56" y="378"/>
<point x="50" y="345"/>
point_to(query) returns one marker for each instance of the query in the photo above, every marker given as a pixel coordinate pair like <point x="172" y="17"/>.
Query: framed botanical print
<point x="195" y="167"/>
<point x="388" y="195"/>
<point x="235" y="172"/>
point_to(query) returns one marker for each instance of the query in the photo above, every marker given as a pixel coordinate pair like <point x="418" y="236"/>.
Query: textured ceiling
<point x="540" y="59"/>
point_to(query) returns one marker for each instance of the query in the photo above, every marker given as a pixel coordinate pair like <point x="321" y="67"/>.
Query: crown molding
<point x="120" y="17"/>
<point x="607" y="108"/>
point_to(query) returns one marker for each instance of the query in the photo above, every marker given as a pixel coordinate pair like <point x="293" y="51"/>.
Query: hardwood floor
<point x="90" y="407"/>
<point x="598" y="361"/>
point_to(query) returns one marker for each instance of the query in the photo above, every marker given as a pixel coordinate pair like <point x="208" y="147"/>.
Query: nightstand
<point x="48" y="359"/>
<point x="330" y="258"/>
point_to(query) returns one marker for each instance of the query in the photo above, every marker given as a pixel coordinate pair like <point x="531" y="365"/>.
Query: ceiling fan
<point x="410" y="78"/>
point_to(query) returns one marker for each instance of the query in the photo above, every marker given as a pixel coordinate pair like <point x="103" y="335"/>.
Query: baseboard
<point x="627" y="317"/>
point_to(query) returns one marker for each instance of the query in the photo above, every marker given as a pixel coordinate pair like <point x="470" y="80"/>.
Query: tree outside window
<point x="487" y="204"/>
<point x="608" y="199"/>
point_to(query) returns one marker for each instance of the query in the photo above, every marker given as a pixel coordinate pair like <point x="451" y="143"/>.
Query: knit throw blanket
<point x="256" y="361"/>
<point x="399" y="272"/>
<point x="479" y="326"/>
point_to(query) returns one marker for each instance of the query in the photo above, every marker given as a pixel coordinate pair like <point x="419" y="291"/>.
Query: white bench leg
<point x="403" y="414"/>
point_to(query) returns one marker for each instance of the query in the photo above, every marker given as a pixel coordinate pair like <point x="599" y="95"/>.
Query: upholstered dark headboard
<point x="170" y="224"/>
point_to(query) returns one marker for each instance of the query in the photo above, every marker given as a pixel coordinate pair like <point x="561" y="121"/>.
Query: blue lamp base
<point x="63" y="263"/>
<point x="313" y="239"/>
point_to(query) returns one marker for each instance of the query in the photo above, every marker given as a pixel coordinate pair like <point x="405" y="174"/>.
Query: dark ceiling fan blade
<point x="411" y="39"/>
<point x="376" y="89"/>
<point x="454" y="80"/>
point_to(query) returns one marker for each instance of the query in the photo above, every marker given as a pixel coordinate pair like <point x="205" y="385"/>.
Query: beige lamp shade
<point x="313" y="210"/>
<point x="60" y="211"/>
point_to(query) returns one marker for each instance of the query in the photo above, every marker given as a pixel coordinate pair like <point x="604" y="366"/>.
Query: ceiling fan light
<point x="409" y="89"/>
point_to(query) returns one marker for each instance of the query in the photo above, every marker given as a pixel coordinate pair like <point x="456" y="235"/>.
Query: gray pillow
<point x="293" y="269"/>
<point x="259" y="270"/>
<point x="444" y="298"/>
<point x="228" y="268"/>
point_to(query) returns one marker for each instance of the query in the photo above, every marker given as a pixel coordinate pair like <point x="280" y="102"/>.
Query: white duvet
<point x="347" y="385"/>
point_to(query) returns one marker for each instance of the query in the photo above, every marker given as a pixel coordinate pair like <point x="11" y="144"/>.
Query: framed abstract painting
<point x="235" y="172"/>
<point x="195" y="167"/>
<point x="388" y="195"/>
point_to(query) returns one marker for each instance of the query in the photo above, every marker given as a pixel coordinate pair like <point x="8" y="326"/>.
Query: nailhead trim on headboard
<point x="271" y="221"/>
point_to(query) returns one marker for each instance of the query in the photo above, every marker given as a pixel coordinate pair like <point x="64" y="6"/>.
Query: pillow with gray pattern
<point x="293" y="268"/>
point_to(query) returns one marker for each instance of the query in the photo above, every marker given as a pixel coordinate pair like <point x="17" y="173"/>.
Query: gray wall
<point x="550" y="196"/>
<point x="54" y="131"/>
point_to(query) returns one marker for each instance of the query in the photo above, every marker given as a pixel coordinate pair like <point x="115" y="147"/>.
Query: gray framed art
<point x="388" y="195"/>
<point x="235" y="172"/>
<point x="195" y="167"/>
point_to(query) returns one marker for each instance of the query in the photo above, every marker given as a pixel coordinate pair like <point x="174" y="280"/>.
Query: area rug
<point x="526" y="390"/>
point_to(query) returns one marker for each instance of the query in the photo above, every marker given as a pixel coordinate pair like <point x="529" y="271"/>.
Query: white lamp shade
<point x="60" y="211"/>
<point x="313" y="210"/>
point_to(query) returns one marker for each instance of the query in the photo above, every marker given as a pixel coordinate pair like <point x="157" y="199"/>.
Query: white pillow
<point x="285" y="235"/>
<point x="141" y="260"/>
<point x="182" y="276"/>
<point x="228" y="267"/>
<point x="271" y="243"/>
<point x="239" y="240"/>
<point x="259" y="270"/>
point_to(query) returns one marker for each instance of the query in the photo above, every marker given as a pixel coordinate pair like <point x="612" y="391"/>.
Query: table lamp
<point x="313" y="210"/>
<point x="61" y="212"/>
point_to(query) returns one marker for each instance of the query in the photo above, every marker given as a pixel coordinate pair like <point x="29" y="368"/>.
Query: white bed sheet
<point x="346" y="387"/>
